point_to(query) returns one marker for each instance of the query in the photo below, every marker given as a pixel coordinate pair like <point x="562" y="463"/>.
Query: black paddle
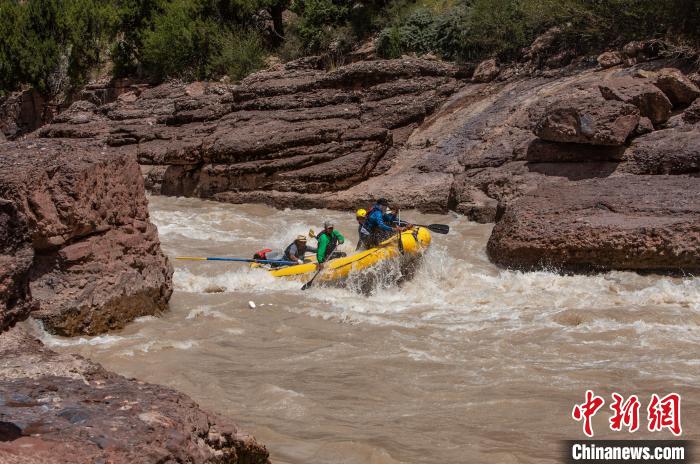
<point x="437" y="228"/>
<point x="311" y="282"/>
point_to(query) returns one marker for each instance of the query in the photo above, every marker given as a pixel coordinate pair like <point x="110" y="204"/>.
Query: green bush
<point x="186" y="41"/>
<point x="52" y="44"/>
<point x="238" y="53"/>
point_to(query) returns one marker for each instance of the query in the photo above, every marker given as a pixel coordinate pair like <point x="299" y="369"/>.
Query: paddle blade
<point x="439" y="228"/>
<point x="311" y="282"/>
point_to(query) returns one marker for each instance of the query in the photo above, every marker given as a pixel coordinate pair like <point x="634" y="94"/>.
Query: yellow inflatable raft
<point x="415" y="241"/>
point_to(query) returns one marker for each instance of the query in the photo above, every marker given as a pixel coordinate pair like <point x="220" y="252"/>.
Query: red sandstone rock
<point x="587" y="120"/>
<point x="670" y="151"/>
<point x="692" y="114"/>
<point x="609" y="59"/>
<point x="652" y="103"/>
<point x="16" y="256"/>
<point x="98" y="263"/>
<point x="641" y="223"/>
<point x="677" y="87"/>
<point x="61" y="409"/>
<point x="486" y="71"/>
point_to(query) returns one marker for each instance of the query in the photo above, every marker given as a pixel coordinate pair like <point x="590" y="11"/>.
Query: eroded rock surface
<point x="641" y="223"/>
<point x="97" y="262"/>
<point x="16" y="255"/>
<point x="62" y="408"/>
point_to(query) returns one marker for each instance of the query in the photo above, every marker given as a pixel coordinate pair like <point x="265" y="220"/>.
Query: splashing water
<point x="464" y="362"/>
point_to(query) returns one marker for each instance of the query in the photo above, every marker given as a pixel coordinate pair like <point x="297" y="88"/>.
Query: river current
<point x="466" y="363"/>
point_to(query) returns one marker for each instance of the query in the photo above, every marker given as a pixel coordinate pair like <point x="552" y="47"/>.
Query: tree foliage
<point x="55" y="45"/>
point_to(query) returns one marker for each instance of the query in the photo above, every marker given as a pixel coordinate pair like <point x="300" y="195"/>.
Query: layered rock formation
<point x="97" y="262"/>
<point x="295" y="129"/>
<point x="61" y="408"/>
<point x="416" y="131"/>
<point x="641" y="223"/>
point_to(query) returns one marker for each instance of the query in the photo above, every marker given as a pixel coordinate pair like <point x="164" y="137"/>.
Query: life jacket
<point x="332" y="243"/>
<point x="300" y="250"/>
<point x="370" y="225"/>
<point x="262" y="254"/>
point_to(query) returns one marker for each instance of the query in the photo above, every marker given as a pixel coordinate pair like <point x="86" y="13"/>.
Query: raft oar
<point x="239" y="260"/>
<point x="311" y="282"/>
<point x="437" y="228"/>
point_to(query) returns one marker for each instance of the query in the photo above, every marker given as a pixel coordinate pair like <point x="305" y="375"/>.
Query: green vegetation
<point x="475" y="29"/>
<point x="56" y="45"/>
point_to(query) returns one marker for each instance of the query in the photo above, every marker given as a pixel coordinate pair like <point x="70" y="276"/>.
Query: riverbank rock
<point x="418" y="132"/>
<point x="61" y="408"/>
<point x="640" y="223"/>
<point x="16" y="256"/>
<point x="692" y="114"/>
<point x="670" y="151"/>
<point x="97" y="262"/>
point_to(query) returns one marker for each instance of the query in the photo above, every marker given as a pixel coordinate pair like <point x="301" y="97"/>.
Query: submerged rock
<point x="62" y="408"/>
<point x="639" y="223"/>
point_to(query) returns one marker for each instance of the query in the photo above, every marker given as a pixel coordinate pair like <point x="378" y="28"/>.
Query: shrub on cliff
<point x="471" y="30"/>
<point x="52" y="44"/>
<point x="187" y="41"/>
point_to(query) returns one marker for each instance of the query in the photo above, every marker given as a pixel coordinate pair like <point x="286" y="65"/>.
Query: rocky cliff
<point x="78" y="252"/>
<point x="419" y="132"/>
<point x="96" y="262"/>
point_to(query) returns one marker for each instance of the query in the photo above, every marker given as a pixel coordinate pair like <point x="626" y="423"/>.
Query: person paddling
<point x="297" y="249"/>
<point x="328" y="240"/>
<point x="379" y="230"/>
<point x="362" y="231"/>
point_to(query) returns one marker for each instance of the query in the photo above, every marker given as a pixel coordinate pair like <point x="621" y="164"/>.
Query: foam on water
<point x="449" y="289"/>
<point x="241" y="280"/>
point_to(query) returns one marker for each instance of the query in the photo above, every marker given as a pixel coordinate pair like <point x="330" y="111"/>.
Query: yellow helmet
<point x="361" y="213"/>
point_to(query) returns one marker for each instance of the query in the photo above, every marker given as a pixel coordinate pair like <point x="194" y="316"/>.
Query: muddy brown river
<point x="466" y="363"/>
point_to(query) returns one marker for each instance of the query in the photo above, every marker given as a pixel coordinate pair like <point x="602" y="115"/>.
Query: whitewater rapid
<point x="465" y="363"/>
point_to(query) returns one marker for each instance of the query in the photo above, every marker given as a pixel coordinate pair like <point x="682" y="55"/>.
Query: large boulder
<point x="64" y="409"/>
<point x="669" y="151"/>
<point x="588" y="120"/>
<point x="651" y="101"/>
<point x="486" y="71"/>
<point x="97" y="259"/>
<point x="639" y="223"/>
<point x="677" y="87"/>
